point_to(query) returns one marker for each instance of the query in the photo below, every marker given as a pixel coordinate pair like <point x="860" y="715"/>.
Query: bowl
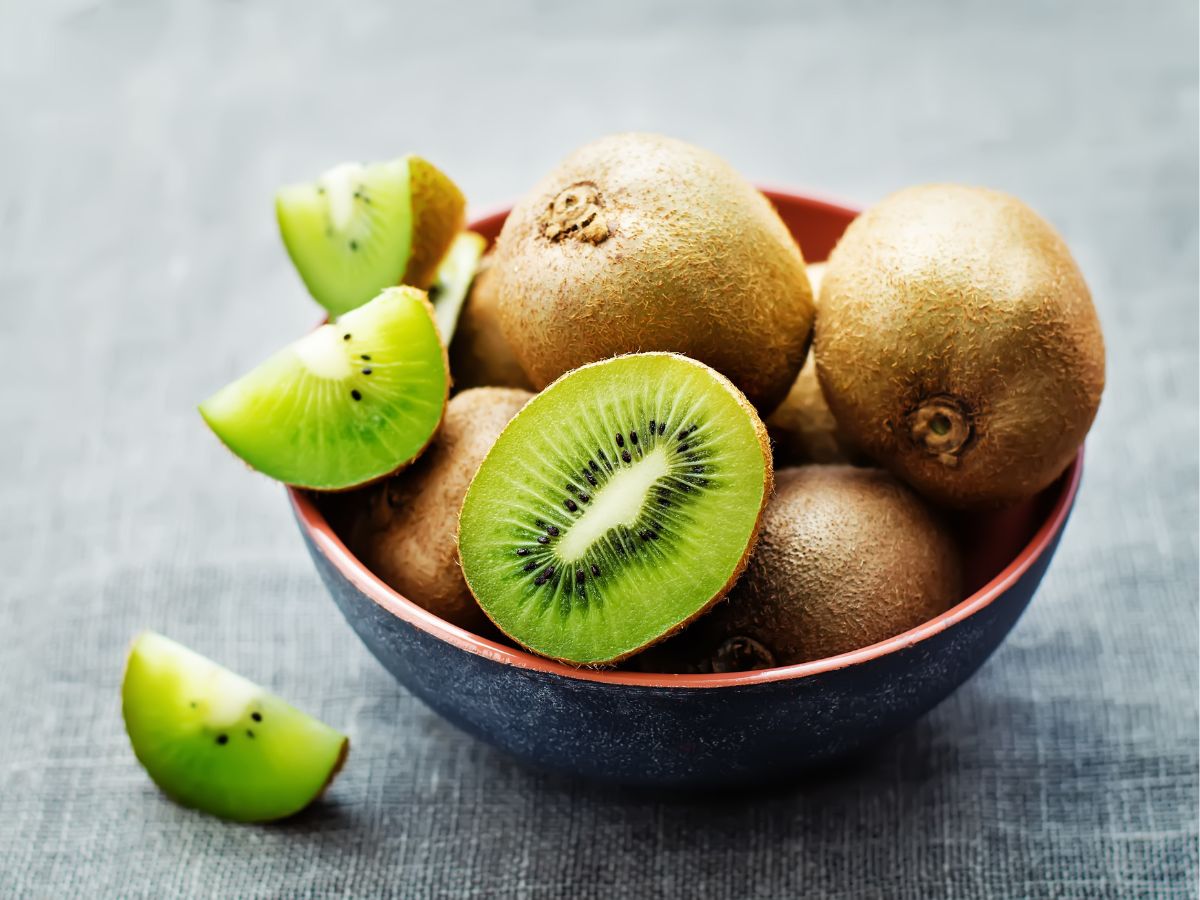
<point x="703" y="731"/>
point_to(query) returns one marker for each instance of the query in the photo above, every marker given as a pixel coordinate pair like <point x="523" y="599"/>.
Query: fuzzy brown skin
<point x="439" y="214"/>
<point x="802" y="426"/>
<point x="846" y="558"/>
<point x="479" y="354"/>
<point x="637" y="242"/>
<point x="960" y="303"/>
<point x="408" y="532"/>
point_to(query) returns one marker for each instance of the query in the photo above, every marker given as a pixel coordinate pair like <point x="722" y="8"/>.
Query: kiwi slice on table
<point x="358" y="228"/>
<point x="453" y="280"/>
<point x="617" y="506"/>
<point x="214" y="741"/>
<point x="346" y="404"/>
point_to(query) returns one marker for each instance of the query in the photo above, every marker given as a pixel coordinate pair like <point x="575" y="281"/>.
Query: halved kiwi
<point x="618" y="505"/>
<point x="359" y="229"/>
<point x="217" y="742"/>
<point x="346" y="404"/>
<point x="453" y="280"/>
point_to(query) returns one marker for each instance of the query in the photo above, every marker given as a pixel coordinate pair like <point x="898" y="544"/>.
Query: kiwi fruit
<point x="407" y="535"/>
<point x="346" y="404"/>
<point x="638" y="242"/>
<point x="618" y="505"/>
<point x="957" y="344"/>
<point x="479" y="354"/>
<point x="453" y="280"/>
<point x="216" y="742"/>
<point x="802" y="427"/>
<point x="847" y="557"/>
<point x="359" y="229"/>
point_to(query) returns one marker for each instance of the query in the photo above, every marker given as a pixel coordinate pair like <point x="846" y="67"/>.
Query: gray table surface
<point x="140" y="269"/>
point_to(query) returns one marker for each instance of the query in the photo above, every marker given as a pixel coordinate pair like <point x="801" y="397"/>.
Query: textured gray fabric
<point x="140" y="269"/>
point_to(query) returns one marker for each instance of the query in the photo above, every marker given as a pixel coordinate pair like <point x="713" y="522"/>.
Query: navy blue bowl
<point x="703" y="731"/>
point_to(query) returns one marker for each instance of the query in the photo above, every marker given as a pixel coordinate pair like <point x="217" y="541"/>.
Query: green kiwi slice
<point x="346" y="404"/>
<point x="358" y="228"/>
<point x="618" y="505"/>
<point x="453" y="280"/>
<point x="214" y="741"/>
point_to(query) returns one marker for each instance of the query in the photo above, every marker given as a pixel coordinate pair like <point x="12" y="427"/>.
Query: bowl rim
<point x="323" y="538"/>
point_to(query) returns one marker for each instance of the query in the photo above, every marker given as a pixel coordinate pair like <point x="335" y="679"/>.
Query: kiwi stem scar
<point x="618" y="502"/>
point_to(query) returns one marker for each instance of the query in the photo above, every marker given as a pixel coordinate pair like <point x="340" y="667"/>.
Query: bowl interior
<point x="997" y="545"/>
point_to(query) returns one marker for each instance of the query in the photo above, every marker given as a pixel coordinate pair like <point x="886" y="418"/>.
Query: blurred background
<point x="140" y="269"/>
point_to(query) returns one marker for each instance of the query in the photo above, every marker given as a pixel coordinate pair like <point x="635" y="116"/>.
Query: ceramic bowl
<point x="703" y="731"/>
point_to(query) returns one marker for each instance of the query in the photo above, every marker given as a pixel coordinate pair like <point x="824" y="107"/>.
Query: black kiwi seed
<point x="531" y="565"/>
<point x="222" y="739"/>
<point x="540" y="580"/>
<point x="595" y="571"/>
<point x="256" y="716"/>
<point x="571" y="487"/>
<point x="542" y="539"/>
<point x="683" y="434"/>
<point x="593" y="465"/>
<point x="552" y="530"/>
<point x="570" y="504"/>
<point x="345" y="337"/>
<point x="579" y="576"/>
<point x="522" y="551"/>
<point x="366" y="371"/>
<point x="366" y="357"/>
<point x="693" y="428"/>
<point x="662" y="427"/>
<point x="249" y="734"/>
<point x="683" y="448"/>
<point x="653" y="535"/>
<point x="591" y="478"/>
<point x="697" y="468"/>
<point x="355" y="394"/>
<point x="620" y="439"/>
<point x="652" y="426"/>
<point x="633" y="437"/>
<point x="625" y="455"/>
<point x="585" y="498"/>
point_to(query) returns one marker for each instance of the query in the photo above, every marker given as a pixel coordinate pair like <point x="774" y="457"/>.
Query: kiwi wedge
<point x="848" y="557"/>
<point x="453" y="280"/>
<point x="958" y="346"/>
<point x="359" y="229"/>
<point x="346" y="404"/>
<point x="214" y="741"/>
<point x="618" y="505"/>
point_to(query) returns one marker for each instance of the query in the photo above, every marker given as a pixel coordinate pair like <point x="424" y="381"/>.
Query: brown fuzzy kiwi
<point x="407" y="533"/>
<point x="638" y="242"/>
<point x="958" y="344"/>
<point x="439" y="213"/>
<point x="846" y="558"/>
<point x="802" y="427"/>
<point x="479" y="354"/>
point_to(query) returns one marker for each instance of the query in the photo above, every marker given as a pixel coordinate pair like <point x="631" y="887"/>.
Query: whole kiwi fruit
<point x="407" y="533"/>
<point x="638" y="242"/>
<point x="479" y="354"/>
<point x="958" y="345"/>
<point x="846" y="557"/>
<point x="802" y="427"/>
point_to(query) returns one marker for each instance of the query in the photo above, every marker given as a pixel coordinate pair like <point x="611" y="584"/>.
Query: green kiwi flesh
<point x="346" y="404"/>
<point x="847" y="557"/>
<point x="618" y="505"/>
<point x="214" y="741"/>
<point x="359" y="229"/>
<point x="454" y="276"/>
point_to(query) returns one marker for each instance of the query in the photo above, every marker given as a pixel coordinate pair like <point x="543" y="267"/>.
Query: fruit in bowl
<point x="563" y="575"/>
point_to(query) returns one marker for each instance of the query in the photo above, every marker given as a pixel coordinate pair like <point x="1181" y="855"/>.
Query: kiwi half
<point x="359" y="229"/>
<point x="407" y="533"/>
<point x="618" y="505"/>
<point x="957" y="344"/>
<point x="346" y="404"/>
<point x="639" y="242"/>
<point x="847" y="557"/>
<point x="217" y="742"/>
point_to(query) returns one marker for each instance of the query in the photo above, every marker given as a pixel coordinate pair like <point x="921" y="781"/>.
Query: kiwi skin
<point x="439" y="214"/>
<point x="479" y="354"/>
<point x="847" y="557"/>
<point x="407" y="532"/>
<point x="957" y="344"/>
<point x="638" y="242"/>
<point x="802" y="426"/>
